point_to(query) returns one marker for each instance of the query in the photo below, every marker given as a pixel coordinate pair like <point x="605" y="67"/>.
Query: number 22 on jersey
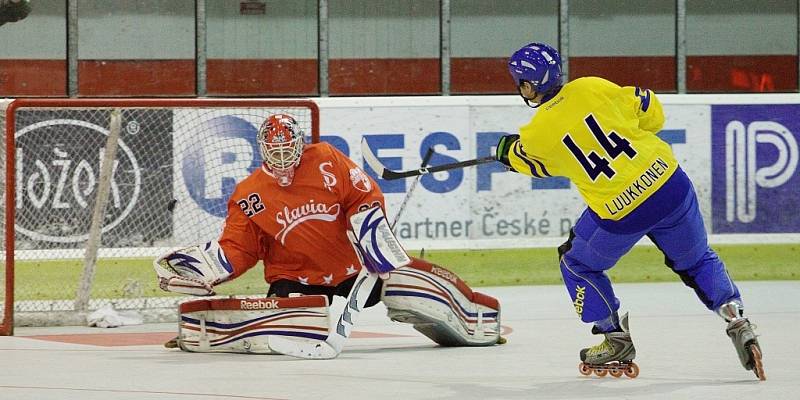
<point x="593" y="163"/>
<point x="252" y="205"/>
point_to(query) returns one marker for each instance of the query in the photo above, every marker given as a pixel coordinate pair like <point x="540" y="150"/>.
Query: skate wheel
<point x="758" y="366"/>
<point x="632" y="371"/>
<point x="585" y="369"/>
<point x="616" y="371"/>
<point x="601" y="372"/>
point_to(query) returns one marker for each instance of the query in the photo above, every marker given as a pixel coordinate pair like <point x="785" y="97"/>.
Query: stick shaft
<point x="425" y="159"/>
<point x="388" y="174"/>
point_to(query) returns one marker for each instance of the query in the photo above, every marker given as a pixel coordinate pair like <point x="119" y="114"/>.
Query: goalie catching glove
<point x="193" y="270"/>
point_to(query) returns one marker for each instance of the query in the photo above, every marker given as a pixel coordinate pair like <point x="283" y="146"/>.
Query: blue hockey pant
<point x="681" y="237"/>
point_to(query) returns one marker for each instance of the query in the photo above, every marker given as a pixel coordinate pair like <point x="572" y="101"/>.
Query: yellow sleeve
<point x="524" y="163"/>
<point x="648" y="108"/>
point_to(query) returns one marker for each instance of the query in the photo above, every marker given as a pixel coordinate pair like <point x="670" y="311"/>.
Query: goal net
<point x="95" y="188"/>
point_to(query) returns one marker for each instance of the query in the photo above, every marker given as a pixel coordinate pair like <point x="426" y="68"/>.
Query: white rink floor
<point x="682" y="351"/>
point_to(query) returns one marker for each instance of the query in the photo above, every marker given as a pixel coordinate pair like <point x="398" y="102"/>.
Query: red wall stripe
<point x="763" y="73"/>
<point x="777" y="73"/>
<point x="33" y="78"/>
<point x="384" y="76"/>
<point x="480" y="75"/>
<point x="656" y="73"/>
<point x="136" y="78"/>
<point x="262" y="77"/>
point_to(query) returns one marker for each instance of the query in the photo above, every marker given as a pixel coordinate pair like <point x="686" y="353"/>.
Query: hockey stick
<point x="388" y="174"/>
<point x="425" y="159"/>
<point x="334" y="343"/>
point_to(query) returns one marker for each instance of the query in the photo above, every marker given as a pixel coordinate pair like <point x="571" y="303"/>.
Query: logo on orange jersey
<point x="289" y="219"/>
<point x="360" y="180"/>
<point x="328" y="178"/>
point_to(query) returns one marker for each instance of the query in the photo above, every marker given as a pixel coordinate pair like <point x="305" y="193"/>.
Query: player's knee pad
<point x="244" y="325"/>
<point x="441" y="306"/>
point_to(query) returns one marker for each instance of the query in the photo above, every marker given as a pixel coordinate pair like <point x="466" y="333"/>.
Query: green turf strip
<point x="41" y="280"/>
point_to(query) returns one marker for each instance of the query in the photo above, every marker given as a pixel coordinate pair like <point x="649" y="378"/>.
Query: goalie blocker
<point x="244" y="325"/>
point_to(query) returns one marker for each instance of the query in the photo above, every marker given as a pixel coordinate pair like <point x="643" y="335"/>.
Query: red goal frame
<point x="7" y="322"/>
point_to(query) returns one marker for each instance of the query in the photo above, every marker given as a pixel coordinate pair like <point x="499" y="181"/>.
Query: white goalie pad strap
<point x="193" y="270"/>
<point x="441" y="306"/>
<point x="244" y="325"/>
<point x="379" y="248"/>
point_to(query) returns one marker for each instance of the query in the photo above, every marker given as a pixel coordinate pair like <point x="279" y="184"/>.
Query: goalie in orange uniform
<point x="303" y="214"/>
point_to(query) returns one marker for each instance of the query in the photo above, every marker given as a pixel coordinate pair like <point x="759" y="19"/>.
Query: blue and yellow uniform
<point x="603" y="138"/>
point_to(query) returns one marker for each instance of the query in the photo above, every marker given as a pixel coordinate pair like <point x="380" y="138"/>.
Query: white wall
<point x="142" y="29"/>
<point x="608" y="27"/>
<point x="42" y="35"/>
<point x="384" y="29"/>
<point x="719" y="27"/>
<point x="497" y="28"/>
<point x="164" y="29"/>
<point x="287" y="30"/>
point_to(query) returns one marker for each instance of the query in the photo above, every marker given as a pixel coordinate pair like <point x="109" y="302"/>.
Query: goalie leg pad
<point x="244" y="325"/>
<point x="441" y="306"/>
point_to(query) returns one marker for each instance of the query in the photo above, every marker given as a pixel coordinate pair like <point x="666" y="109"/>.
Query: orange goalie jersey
<point x="299" y="231"/>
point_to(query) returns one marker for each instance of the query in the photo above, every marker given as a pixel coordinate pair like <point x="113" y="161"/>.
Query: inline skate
<point x="613" y="356"/>
<point x="743" y="336"/>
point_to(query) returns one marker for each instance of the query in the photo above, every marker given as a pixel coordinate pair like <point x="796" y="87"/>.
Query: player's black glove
<point x="503" y="147"/>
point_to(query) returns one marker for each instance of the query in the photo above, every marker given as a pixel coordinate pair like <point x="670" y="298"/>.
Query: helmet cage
<point x="281" y="143"/>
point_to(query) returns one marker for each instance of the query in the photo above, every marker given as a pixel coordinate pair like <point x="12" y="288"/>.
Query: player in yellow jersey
<point x="603" y="138"/>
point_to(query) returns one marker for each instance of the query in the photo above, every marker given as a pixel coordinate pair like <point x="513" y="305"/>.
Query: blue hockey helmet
<point x="539" y="64"/>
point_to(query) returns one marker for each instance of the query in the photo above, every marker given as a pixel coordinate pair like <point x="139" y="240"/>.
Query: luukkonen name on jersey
<point x="637" y="189"/>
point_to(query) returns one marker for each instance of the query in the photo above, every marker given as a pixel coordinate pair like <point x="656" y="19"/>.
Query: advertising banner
<point x="176" y="169"/>
<point x="483" y="206"/>
<point x="217" y="151"/>
<point x="755" y="179"/>
<point x="58" y="159"/>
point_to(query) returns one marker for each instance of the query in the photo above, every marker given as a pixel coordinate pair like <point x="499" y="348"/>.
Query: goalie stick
<point x="425" y="159"/>
<point x="388" y="174"/>
<point x="334" y="343"/>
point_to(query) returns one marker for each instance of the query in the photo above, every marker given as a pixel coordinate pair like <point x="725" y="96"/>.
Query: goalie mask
<point x="281" y="142"/>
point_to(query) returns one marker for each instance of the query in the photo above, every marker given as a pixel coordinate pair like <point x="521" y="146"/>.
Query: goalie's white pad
<point x="378" y="247"/>
<point x="193" y="270"/>
<point x="244" y="325"/>
<point x="441" y="306"/>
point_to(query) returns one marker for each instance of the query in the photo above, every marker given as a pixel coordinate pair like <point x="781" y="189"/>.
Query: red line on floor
<point x="151" y="338"/>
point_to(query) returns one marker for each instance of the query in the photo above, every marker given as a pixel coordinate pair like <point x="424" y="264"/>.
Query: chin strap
<point x="549" y="95"/>
<point x="528" y="102"/>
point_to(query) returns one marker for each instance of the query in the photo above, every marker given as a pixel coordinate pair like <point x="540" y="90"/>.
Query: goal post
<point x="6" y="215"/>
<point x="166" y="185"/>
